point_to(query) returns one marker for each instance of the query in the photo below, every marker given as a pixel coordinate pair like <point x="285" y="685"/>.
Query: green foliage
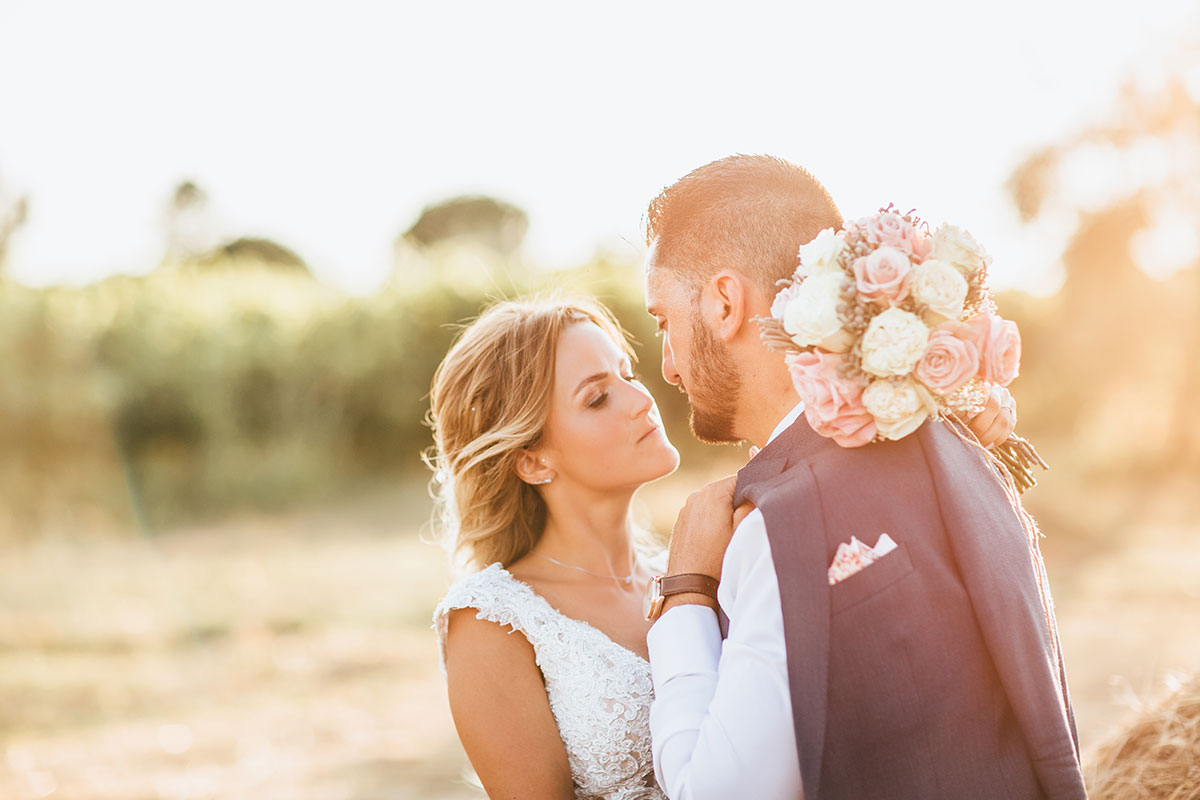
<point x="183" y="395"/>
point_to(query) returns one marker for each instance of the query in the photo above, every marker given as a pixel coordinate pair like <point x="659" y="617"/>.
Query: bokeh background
<point x="236" y="238"/>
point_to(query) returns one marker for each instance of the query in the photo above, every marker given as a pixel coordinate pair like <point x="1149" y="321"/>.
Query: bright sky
<point x="328" y="126"/>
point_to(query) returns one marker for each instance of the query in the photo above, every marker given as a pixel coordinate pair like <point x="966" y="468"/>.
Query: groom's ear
<point x="725" y="304"/>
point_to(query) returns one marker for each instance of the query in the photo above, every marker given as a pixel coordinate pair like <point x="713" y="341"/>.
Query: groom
<point x="934" y="672"/>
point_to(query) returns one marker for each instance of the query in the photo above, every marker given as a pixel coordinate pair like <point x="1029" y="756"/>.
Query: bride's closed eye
<point x="599" y="400"/>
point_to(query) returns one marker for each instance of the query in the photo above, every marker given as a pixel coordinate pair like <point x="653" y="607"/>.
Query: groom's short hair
<point x="749" y="214"/>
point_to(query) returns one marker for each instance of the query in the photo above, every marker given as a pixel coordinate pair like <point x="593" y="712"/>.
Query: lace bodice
<point x="599" y="691"/>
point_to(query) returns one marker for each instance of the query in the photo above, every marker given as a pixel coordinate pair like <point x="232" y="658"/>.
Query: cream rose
<point x="811" y="317"/>
<point x="822" y="253"/>
<point x="894" y="343"/>
<point x="940" y="287"/>
<point x="897" y="407"/>
<point x="957" y="247"/>
<point x="782" y="298"/>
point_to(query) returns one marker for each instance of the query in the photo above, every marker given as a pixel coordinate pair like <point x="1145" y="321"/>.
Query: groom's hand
<point x="701" y="534"/>
<point x="997" y="420"/>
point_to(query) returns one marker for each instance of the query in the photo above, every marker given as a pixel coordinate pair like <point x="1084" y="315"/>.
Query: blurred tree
<point x="1125" y="348"/>
<point x="492" y="223"/>
<point x="188" y="224"/>
<point x="254" y="251"/>
<point x="191" y="241"/>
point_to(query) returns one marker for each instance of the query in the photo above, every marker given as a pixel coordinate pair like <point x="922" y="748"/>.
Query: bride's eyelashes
<point x="599" y="400"/>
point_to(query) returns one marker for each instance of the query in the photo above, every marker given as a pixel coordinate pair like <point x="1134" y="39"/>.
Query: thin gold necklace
<point x="626" y="579"/>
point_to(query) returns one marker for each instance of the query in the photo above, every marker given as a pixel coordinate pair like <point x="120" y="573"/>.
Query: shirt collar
<point x="787" y="421"/>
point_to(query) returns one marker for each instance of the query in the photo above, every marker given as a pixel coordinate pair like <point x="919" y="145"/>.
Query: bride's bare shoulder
<point x="501" y="710"/>
<point x="483" y="642"/>
<point x="478" y="623"/>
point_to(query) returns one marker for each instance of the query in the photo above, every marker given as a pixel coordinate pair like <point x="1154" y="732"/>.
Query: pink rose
<point x="950" y="360"/>
<point x="922" y="246"/>
<point x="979" y="325"/>
<point x="832" y="404"/>
<point x="883" y="276"/>
<point x="890" y="230"/>
<point x="999" y="344"/>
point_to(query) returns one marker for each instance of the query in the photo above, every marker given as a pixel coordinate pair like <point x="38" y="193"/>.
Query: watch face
<point x="654" y="599"/>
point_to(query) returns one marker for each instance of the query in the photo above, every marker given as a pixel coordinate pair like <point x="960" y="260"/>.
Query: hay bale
<point x="1157" y="757"/>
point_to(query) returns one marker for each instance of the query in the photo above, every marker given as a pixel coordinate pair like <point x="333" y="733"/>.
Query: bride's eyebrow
<point x="599" y="376"/>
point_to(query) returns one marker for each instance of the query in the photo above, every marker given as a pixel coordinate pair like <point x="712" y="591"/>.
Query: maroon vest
<point x="934" y="672"/>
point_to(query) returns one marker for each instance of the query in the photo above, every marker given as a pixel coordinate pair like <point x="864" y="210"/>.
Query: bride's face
<point x="603" y="431"/>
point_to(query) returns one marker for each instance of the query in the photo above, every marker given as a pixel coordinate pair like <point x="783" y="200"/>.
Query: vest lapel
<point x="795" y="443"/>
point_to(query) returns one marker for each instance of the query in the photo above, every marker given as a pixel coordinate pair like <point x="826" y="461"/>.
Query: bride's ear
<point x="725" y="304"/>
<point x="532" y="468"/>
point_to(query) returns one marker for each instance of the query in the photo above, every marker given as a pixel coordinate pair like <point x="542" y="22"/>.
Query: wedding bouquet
<point x="885" y="326"/>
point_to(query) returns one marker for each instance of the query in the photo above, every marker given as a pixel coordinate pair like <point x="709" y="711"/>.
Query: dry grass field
<point x="291" y="657"/>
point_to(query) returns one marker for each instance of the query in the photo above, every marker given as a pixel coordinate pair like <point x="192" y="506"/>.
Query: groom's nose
<point x="670" y="374"/>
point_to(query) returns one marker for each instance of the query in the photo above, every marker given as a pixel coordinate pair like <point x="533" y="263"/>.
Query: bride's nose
<point x="643" y="401"/>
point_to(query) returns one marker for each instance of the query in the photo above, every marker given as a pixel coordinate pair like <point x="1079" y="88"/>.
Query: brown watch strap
<point x="689" y="582"/>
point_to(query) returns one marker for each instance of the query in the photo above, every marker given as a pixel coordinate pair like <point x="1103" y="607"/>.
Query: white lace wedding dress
<point x="599" y="691"/>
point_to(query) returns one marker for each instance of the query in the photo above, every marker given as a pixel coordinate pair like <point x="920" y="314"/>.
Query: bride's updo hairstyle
<point x="490" y="399"/>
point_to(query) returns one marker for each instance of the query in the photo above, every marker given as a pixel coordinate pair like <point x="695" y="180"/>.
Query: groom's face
<point x="692" y="357"/>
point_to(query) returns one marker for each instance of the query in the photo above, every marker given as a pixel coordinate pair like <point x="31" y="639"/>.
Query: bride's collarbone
<point x="613" y="610"/>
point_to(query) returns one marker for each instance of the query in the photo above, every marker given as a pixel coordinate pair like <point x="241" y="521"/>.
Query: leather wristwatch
<point x="661" y="587"/>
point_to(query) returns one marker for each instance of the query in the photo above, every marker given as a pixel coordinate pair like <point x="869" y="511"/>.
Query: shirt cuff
<point x="685" y="640"/>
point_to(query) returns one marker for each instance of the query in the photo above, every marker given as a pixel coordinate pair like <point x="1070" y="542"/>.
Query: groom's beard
<point x="713" y="389"/>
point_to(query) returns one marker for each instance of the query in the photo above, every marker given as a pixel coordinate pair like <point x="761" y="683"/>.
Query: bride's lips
<point x="649" y="433"/>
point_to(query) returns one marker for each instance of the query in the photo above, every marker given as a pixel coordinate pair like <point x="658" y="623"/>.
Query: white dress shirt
<point x="721" y="720"/>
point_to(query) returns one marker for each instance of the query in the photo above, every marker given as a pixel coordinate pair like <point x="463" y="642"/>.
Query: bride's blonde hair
<point x="490" y="399"/>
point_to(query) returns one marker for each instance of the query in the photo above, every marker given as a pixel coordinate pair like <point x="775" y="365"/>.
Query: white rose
<point x="941" y="287"/>
<point x="782" y="298"/>
<point x="956" y="246"/>
<point x="894" y="343"/>
<point x="822" y="253"/>
<point x="896" y="406"/>
<point x="811" y="318"/>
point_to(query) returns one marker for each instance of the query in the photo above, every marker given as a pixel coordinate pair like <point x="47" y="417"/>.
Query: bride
<point x="543" y="434"/>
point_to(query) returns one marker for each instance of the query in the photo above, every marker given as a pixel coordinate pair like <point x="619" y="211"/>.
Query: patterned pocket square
<point x="853" y="557"/>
